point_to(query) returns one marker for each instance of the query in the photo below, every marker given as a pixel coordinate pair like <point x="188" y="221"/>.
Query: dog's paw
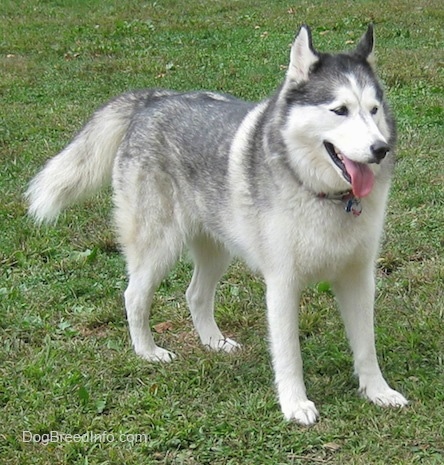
<point x="385" y="397"/>
<point x="228" y="345"/>
<point x="303" y="412"/>
<point x="223" y="345"/>
<point x="157" y="355"/>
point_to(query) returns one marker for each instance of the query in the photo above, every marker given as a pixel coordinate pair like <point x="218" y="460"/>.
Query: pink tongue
<point x="362" y="177"/>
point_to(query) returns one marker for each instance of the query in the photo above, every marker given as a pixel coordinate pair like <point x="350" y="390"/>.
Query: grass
<point x="66" y="362"/>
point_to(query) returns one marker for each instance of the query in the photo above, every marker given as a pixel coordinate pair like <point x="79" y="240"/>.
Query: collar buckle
<point x="351" y="203"/>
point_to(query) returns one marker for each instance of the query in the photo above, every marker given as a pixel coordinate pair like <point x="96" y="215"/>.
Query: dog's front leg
<point x="283" y="320"/>
<point x="355" y="293"/>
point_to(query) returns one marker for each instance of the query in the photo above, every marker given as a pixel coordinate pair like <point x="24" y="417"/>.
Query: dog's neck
<point x="352" y="204"/>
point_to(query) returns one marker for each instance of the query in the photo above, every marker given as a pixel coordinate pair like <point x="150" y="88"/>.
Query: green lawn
<point x="66" y="362"/>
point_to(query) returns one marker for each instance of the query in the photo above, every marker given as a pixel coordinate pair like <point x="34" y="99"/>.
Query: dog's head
<point x="337" y="124"/>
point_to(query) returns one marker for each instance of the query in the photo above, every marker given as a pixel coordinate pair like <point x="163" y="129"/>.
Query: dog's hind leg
<point x="148" y="261"/>
<point x="138" y="298"/>
<point x="355" y="293"/>
<point x="211" y="260"/>
<point x="150" y="227"/>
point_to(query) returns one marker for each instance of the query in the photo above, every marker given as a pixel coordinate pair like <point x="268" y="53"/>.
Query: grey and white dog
<point x="295" y="185"/>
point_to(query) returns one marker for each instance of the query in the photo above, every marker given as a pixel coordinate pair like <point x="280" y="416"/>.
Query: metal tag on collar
<point x="353" y="205"/>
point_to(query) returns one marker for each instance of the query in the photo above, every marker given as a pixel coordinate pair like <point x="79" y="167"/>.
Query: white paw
<point x="223" y="345"/>
<point x="157" y="355"/>
<point x="386" y="397"/>
<point x="303" y="412"/>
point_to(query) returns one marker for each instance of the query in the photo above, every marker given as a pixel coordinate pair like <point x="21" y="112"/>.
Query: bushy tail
<point x="85" y="165"/>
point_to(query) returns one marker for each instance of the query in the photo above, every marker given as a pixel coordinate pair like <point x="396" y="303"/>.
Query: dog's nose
<point x="379" y="150"/>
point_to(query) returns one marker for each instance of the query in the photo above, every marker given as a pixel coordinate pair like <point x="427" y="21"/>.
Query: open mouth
<point x="359" y="175"/>
<point x="338" y="159"/>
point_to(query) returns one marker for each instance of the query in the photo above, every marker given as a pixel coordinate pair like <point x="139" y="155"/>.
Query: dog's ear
<point x="366" y="46"/>
<point x="302" y="56"/>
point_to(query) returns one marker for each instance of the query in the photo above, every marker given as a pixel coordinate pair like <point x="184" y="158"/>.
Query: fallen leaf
<point x="331" y="446"/>
<point x="163" y="327"/>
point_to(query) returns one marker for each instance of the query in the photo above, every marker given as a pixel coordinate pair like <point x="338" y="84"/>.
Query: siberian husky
<point x="295" y="185"/>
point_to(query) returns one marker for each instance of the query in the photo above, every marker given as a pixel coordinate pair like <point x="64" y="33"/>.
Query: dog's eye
<point x="341" y="111"/>
<point x="374" y="110"/>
